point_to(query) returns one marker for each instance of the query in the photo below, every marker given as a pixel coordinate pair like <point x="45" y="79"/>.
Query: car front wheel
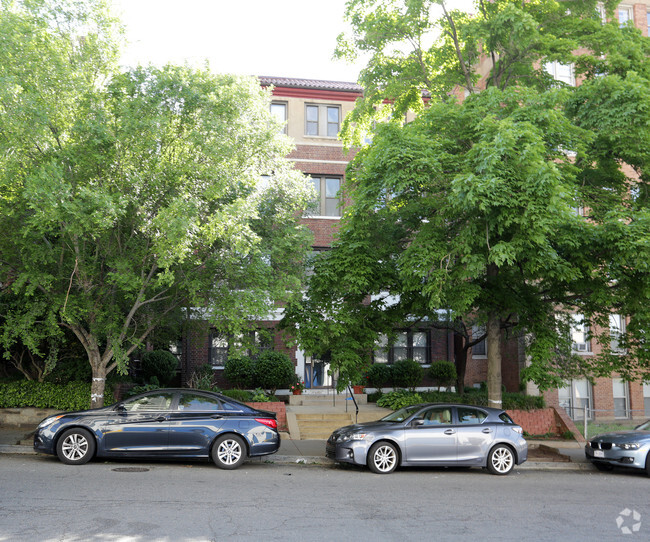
<point x="75" y="447"/>
<point x="501" y="460"/>
<point x="382" y="458"/>
<point x="229" y="452"/>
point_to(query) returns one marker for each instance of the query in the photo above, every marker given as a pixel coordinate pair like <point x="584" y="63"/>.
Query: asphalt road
<point x="43" y="500"/>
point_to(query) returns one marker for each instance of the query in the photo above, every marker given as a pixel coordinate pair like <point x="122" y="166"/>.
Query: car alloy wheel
<point x="229" y="452"/>
<point x="75" y="447"/>
<point x="382" y="458"/>
<point x="501" y="460"/>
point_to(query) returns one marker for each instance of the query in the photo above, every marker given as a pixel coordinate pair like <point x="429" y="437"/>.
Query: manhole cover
<point x="130" y="469"/>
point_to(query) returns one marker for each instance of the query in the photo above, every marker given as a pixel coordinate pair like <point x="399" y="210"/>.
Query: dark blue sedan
<point x="165" y="423"/>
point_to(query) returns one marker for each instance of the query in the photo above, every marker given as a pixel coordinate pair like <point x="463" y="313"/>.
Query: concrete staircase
<point x="316" y="416"/>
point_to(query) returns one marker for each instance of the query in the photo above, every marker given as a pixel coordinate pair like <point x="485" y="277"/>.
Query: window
<point x="437" y="416"/>
<point x="479" y="349"/>
<point x="646" y="398"/>
<point x="407" y="345"/>
<point x="326" y="195"/>
<point x="580" y="334"/>
<point x="150" y="403"/>
<point x="252" y="344"/>
<point x="279" y="111"/>
<point x="647" y="16"/>
<point x="561" y="72"/>
<point x="624" y="15"/>
<point x="470" y="415"/>
<point x="600" y="10"/>
<point x="193" y="402"/>
<point x="574" y="397"/>
<point x="616" y="330"/>
<point x="322" y="120"/>
<point x="621" y="398"/>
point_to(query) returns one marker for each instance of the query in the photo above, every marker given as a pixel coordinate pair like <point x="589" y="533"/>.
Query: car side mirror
<point x="417" y="422"/>
<point x="120" y="407"/>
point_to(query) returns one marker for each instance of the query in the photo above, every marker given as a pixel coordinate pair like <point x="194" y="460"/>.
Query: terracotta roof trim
<point x="290" y="82"/>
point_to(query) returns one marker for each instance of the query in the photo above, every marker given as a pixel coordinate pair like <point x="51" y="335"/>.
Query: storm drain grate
<point x="130" y="469"/>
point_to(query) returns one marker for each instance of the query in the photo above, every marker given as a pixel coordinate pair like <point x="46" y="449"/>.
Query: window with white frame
<point x="407" y="345"/>
<point x="575" y="396"/>
<point x="479" y="350"/>
<point x="620" y="391"/>
<point x="600" y="10"/>
<point x="327" y="195"/>
<point x="646" y="398"/>
<point x="279" y="111"/>
<point x="580" y="341"/>
<point x="220" y="345"/>
<point x="561" y="72"/>
<point x="616" y="330"/>
<point x="625" y="14"/>
<point x="322" y="120"/>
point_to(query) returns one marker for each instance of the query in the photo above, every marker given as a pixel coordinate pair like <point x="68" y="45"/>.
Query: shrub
<point x="243" y="396"/>
<point x="443" y="373"/>
<point x="407" y="373"/>
<point x="240" y="371"/>
<point x="70" y="370"/>
<point x="259" y="396"/>
<point x="201" y="378"/>
<point x="70" y="396"/>
<point x="378" y="375"/>
<point x="274" y="370"/>
<point x="161" y="364"/>
<point x="399" y="399"/>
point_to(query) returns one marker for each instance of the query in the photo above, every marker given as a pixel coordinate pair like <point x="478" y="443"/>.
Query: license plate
<point x="599" y="453"/>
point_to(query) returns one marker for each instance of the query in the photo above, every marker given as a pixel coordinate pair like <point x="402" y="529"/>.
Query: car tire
<point x="647" y="464"/>
<point x="603" y="467"/>
<point x="383" y="458"/>
<point x="229" y="452"/>
<point x="501" y="460"/>
<point x="76" y="446"/>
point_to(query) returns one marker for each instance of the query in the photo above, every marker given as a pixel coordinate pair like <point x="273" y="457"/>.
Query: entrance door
<point x="317" y="374"/>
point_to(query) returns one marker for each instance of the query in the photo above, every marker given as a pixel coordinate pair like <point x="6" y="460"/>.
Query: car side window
<point x="437" y="416"/>
<point x="149" y="403"/>
<point x="470" y="415"/>
<point x="192" y="402"/>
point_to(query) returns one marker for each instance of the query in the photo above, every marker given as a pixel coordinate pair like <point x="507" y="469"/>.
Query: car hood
<point x="368" y="426"/>
<point x="622" y="436"/>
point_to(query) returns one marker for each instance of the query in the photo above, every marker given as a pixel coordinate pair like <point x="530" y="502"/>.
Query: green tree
<point x="127" y="196"/>
<point x="469" y="211"/>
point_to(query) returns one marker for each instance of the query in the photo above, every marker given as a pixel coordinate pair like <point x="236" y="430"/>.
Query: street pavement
<point x="543" y="455"/>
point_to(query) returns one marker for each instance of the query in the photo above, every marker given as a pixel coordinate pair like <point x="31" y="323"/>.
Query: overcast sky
<point x="287" y="38"/>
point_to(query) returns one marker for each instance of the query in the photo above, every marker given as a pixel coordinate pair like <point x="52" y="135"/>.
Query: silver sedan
<point x="629" y="449"/>
<point x="433" y="435"/>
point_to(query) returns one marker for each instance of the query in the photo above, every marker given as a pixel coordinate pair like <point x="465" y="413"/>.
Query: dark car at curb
<point x="438" y="435"/>
<point x="629" y="449"/>
<point x="164" y="423"/>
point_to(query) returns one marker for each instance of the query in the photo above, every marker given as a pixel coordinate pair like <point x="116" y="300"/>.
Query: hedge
<point x="511" y="401"/>
<point x="70" y="396"/>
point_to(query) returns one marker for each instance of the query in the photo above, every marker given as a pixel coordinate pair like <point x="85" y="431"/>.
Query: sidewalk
<point x="543" y="455"/>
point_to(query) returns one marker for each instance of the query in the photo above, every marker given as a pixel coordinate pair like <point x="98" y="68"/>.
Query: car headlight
<point x="629" y="445"/>
<point x="49" y="421"/>
<point x="352" y="436"/>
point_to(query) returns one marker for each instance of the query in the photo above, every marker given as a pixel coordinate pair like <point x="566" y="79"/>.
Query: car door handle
<point x="217" y="417"/>
<point x="450" y="431"/>
<point x="161" y="419"/>
<point x="487" y="430"/>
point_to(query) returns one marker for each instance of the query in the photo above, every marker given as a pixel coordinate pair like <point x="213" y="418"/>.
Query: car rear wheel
<point x="229" y="452"/>
<point x="75" y="447"/>
<point x="382" y="458"/>
<point x="501" y="460"/>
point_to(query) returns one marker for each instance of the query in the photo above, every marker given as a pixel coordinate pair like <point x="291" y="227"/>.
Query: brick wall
<point x="545" y="420"/>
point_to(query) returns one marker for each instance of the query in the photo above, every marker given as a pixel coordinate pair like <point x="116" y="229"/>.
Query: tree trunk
<point x="460" y="355"/>
<point x="99" y="381"/>
<point x="494" y="361"/>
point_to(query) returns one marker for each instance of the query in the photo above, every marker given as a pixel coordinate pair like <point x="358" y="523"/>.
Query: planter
<point x="297" y="392"/>
<point x="357" y="390"/>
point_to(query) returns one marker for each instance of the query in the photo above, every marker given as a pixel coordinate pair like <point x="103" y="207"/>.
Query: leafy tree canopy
<point x="126" y="196"/>
<point x="469" y="209"/>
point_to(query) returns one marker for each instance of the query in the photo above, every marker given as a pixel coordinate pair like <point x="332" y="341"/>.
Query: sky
<point x="282" y="38"/>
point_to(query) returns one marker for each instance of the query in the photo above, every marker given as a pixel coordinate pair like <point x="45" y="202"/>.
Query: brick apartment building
<point x="313" y="112"/>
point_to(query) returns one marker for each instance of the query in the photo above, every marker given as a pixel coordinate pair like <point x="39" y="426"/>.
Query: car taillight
<point x="269" y="422"/>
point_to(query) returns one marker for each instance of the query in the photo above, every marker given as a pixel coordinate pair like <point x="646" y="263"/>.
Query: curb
<point x="323" y="461"/>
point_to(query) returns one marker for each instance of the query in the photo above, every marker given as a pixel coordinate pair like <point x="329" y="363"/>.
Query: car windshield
<point x="401" y="414"/>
